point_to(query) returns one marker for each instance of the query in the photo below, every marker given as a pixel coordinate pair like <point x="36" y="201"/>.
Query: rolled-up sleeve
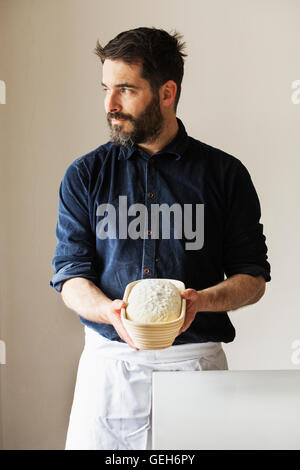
<point x="75" y="250"/>
<point x="245" y="249"/>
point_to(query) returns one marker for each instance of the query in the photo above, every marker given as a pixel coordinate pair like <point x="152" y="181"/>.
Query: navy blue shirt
<point x="215" y="203"/>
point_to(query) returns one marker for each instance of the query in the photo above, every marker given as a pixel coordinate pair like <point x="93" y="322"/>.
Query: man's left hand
<point x="192" y="307"/>
<point x="235" y="292"/>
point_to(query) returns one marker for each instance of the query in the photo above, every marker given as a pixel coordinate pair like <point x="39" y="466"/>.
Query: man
<point x="150" y="163"/>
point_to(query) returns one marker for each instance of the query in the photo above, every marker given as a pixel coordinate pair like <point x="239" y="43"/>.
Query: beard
<point x="146" y="127"/>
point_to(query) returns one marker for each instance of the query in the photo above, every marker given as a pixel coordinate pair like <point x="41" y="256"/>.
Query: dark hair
<point x="160" y="54"/>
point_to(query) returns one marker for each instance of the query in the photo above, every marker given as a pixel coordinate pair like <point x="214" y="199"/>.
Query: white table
<point x="226" y="410"/>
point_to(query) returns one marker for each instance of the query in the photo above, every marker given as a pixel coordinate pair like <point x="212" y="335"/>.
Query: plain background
<point x="243" y="57"/>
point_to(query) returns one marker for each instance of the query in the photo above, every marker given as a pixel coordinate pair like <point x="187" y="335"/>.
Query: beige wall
<point x="243" y="57"/>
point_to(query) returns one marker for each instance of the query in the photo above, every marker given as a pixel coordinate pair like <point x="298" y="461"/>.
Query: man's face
<point x="133" y="111"/>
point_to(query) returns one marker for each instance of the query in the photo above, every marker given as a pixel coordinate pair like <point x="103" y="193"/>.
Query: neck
<point x="168" y="133"/>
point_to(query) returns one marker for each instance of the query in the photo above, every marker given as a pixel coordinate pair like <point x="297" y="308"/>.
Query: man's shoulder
<point x="211" y="154"/>
<point x="97" y="155"/>
<point x="89" y="165"/>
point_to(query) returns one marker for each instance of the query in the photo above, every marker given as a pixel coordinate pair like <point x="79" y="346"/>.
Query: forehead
<point x="117" y="71"/>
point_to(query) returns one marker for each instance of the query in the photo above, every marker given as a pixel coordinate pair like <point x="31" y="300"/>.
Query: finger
<point x="187" y="292"/>
<point x="118" y="304"/>
<point x="186" y="325"/>
<point x="124" y="335"/>
<point x="184" y="329"/>
<point x="128" y="340"/>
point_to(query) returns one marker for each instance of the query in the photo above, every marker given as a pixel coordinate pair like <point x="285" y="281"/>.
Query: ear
<point x="168" y="93"/>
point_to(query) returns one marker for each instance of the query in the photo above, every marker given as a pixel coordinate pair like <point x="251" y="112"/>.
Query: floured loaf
<point x="154" y="300"/>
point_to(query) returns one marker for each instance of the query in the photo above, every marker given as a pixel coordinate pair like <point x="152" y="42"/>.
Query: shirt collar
<point x="176" y="147"/>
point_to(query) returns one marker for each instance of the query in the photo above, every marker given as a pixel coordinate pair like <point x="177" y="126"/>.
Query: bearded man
<point x="150" y="159"/>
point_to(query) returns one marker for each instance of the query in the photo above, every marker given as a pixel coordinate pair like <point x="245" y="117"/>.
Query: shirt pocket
<point x="126" y="274"/>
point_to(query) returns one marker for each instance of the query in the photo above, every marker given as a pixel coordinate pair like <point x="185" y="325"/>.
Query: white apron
<point x="112" y="400"/>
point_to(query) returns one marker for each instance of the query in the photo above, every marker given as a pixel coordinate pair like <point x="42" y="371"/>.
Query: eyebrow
<point x="123" y="85"/>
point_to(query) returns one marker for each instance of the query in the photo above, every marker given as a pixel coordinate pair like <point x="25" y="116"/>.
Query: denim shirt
<point x="188" y="212"/>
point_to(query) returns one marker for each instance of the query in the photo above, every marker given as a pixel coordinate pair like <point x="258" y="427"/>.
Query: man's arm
<point x="75" y="258"/>
<point x="85" y="298"/>
<point x="235" y="292"/>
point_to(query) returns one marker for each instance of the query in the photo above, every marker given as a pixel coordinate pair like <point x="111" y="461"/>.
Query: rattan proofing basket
<point x="153" y="335"/>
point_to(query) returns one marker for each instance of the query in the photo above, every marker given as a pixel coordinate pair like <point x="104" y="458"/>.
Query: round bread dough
<point x="154" y="300"/>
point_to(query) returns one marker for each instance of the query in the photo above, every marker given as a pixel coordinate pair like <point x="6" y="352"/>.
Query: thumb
<point x="187" y="293"/>
<point x="118" y="304"/>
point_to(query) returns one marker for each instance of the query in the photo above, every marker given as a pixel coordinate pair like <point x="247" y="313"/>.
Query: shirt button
<point x="146" y="271"/>
<point x="151" y="160"/>
<point x="151" y="195"/>
<point x="149" y="232"/>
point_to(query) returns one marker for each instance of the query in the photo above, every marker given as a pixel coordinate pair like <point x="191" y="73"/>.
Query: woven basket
<point x="153" y="335"/>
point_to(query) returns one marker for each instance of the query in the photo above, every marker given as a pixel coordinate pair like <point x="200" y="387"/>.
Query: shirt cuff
<point x="73" y="270"/>
<point x="251" y="269"/>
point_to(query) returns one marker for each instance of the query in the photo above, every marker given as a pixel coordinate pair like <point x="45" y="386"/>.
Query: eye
<point x="126" y="91"/>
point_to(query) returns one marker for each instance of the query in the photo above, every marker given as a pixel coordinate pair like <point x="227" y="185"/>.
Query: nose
<point x="112" y="104"/>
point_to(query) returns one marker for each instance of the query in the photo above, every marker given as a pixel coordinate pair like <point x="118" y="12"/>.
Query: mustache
<point x="119" y="116"/>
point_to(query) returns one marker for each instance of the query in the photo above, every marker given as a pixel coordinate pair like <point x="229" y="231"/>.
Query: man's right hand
<point x="88" y="301"/>
<point x="114" y="316"/>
